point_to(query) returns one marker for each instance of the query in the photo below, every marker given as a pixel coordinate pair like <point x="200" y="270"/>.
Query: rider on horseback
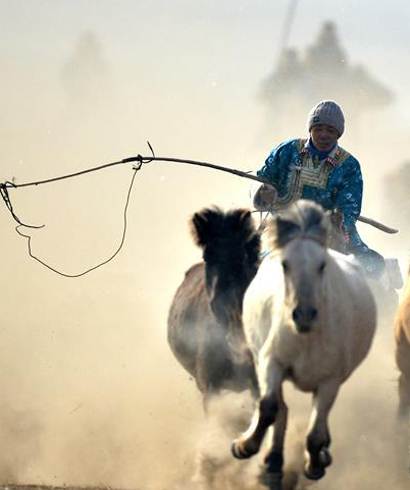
<point x="318" y="169"/>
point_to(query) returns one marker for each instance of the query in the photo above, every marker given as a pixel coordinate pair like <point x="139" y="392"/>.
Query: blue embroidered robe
<point x="334" y="182"/>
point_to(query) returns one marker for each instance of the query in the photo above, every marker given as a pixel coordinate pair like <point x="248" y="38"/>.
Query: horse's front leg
<point x="270" y="379"/>
<point x="274" y="458"/>
<point x="318" y="439"/>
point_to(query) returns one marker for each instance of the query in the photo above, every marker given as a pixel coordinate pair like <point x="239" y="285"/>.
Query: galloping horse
<point x="309" y="317"/>
<point x="204" y="323"/>
<point x="402" y="335"/>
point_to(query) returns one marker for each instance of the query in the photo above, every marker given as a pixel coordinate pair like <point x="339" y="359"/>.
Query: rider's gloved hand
<point x="265" y="197"/>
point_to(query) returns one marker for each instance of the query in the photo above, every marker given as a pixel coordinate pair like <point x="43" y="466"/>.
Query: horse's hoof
<point x="311" y="474"/>
<point x="240" y="452"/>
<point x="273" y="481"/>
<point x="325" y="457"/>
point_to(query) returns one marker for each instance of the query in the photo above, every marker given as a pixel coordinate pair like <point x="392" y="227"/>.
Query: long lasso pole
<point x="142" y="160"/>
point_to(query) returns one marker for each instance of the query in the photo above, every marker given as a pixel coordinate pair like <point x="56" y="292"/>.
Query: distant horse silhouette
<point x="309" y="317"/>
<point x="402" y="335"/>
<point x="204" y="323"/>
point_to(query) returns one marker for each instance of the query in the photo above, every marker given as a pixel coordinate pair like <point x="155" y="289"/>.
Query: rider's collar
<point x="331" y="156"/>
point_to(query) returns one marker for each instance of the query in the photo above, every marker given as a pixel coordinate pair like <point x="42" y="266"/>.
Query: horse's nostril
<point x="296" y="314"/>
<point x="304" y="314"/>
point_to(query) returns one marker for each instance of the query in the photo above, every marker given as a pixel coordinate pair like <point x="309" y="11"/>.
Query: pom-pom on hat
<point x="327" y="112"/>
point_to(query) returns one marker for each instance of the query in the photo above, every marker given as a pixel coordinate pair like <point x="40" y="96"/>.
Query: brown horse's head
<point x="231" y="248"/>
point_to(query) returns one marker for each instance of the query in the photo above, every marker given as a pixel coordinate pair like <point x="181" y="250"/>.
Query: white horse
<point x="309" y="317"/>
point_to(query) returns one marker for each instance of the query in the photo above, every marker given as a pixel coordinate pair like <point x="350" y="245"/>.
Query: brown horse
<point x="204" y="323"/>
<point x="402" y="336"/>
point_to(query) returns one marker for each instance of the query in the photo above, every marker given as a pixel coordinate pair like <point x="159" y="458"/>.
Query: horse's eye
<point x="285" y="266"/>
<point x="322" y="267"/>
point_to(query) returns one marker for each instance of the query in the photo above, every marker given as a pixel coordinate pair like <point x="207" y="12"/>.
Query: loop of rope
<point x="124" y="231"/>
<point x="140" y="160"/>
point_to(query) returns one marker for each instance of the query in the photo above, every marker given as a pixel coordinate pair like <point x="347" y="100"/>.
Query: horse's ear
<point x="283" y="231"/>
<point x="239" y="219"/>
<point x="321" y="228"/>
<point x="245" y="215"/>
<point x="246" y="223"/>
<point x="253" y="247"/>
<point x="200" y="229"/>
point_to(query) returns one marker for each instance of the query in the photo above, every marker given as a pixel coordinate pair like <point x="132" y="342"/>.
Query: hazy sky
<point x="46" y="29"/>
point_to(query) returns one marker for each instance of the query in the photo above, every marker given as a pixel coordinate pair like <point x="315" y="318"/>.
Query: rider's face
<point x="324" y="137"/>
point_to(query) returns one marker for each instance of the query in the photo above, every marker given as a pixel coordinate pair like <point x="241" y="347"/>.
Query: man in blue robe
<point x="318" y="169"/>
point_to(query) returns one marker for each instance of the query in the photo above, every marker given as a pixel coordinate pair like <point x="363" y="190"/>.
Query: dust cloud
<point x="369" y="443"/>
<point x="90" y="394"/>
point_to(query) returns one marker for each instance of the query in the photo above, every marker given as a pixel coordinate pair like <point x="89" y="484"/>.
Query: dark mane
<point x="303" y="219"/>
<point x="214" y="228"/>
<point x="213" y="223"/>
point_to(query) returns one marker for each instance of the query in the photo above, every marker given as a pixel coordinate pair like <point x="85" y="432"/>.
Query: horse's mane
<point x="213" y="223"/>
<point x="226" y="229"/>
<point x="303" y="219"/>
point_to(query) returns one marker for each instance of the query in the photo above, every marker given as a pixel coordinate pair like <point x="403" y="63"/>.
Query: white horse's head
<point x="299" y="237"/>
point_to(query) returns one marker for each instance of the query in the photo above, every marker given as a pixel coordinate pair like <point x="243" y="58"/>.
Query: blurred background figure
<point x="323" y="71"/>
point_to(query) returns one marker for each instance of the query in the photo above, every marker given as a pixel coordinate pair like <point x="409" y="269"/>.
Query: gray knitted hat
<point x="327" y="112"/>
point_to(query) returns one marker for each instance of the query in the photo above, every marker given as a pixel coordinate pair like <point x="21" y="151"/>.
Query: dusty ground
<point x="370" y="451"/>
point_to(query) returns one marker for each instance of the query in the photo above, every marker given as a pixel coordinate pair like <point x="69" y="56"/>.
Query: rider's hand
<point x="268" y="195"/>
